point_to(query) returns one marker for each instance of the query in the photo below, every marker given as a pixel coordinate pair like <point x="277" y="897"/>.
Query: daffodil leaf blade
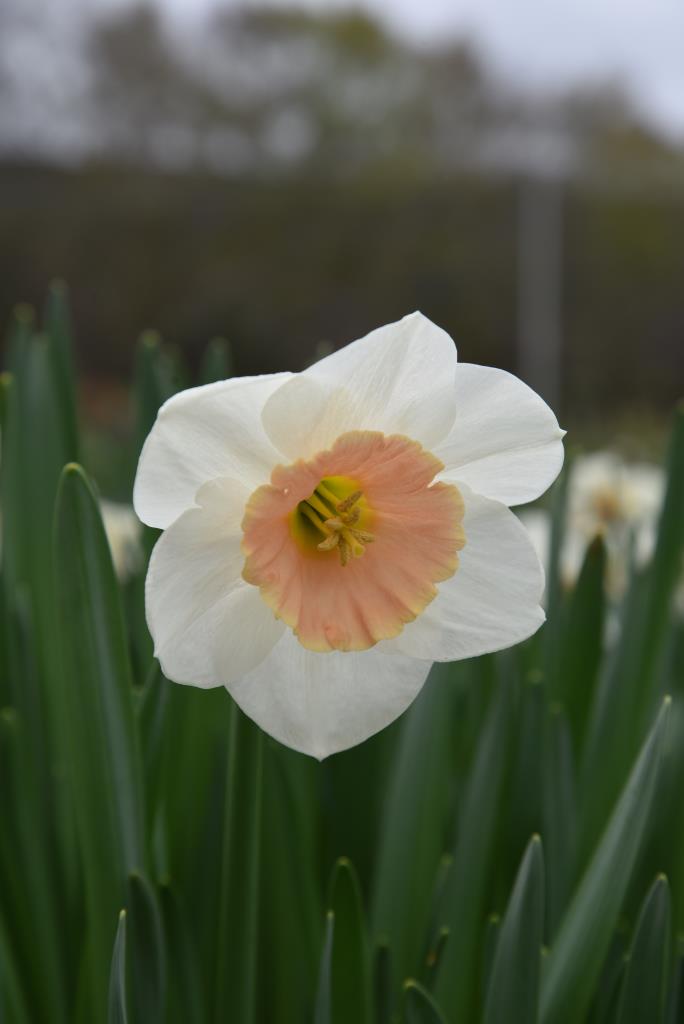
<point x="513" y="986"/>
<point x="628" y="691"/>
<point x="217" y="361"/>
<point x="559" y="814"/>
<point x="412" y="825"/>
<point x="145" y="952"/>
<point x="155" y="381"/>
<point x="236" y="951"/>
<point x="464" y="906"/>
<point x="58" y="327"/>
<point x="21" y="328"/>
<point x="419" y="1007"/>
<point x="323" y="1013"/>
<point x="575" y="959"/>
<point x="643" y="990"/>
<point x="350" y="957"/>
<point x="186" y="1002"/>
<point x="582" y="639"/>
<point x="104" y="768"/>
<point x="37" y="442"/>
<point x="294" y="924"/>
<point x="117" y="1000"/>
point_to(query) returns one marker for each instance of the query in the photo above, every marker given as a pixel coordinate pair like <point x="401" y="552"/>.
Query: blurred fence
<point x="278" y="268"/>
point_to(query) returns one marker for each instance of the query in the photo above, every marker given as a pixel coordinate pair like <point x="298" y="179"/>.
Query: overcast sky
<point x="547" y="42"/>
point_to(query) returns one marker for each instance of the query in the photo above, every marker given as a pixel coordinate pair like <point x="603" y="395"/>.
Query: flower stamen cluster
<point x="338" y="521"/>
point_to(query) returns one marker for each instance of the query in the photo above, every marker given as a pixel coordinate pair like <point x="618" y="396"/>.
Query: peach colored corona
<point x="329" y="534"/>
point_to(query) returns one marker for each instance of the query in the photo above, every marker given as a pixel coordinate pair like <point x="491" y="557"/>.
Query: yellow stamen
<point x="307" y="511"/>
<point x="351" y="499"/>
<point x="336" y="519"/>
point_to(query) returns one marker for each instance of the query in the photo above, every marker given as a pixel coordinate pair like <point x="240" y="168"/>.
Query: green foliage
<point x="162" y="862"/>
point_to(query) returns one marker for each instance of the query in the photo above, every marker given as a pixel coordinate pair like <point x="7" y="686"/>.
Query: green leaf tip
<point x="150" y="339"/>
<point x="24" y="313"/>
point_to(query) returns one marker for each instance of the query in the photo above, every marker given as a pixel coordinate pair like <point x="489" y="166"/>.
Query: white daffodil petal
<point x="196" y="598"/>
<point x="493" y="599"/>
<point x="399" y="379"/>
<point x="323" y="703"/>
<point x="200" y="434"/>
<point x="505" y="442"/>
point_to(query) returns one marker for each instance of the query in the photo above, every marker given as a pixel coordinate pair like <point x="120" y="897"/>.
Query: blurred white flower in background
<point x="609" y="497"/>
<point x="124" y="533"/>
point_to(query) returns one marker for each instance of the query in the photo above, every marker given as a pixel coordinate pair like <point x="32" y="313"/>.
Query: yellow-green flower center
<point x="333" y="518"/>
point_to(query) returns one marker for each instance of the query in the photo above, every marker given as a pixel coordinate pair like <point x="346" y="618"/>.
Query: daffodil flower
<point x="330" y="534"/>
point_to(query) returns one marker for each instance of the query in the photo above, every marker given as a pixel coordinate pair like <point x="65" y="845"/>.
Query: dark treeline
<point x="287" y="179"/>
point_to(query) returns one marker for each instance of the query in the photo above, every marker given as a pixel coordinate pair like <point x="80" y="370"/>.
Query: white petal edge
<point x="200" y="434"/>
<point x="207" y="624"/>
<point x="399" y="379"/>
<point x="493" y="599"/>
<point x="505" y="442"/>
<point x="320" y="704"/>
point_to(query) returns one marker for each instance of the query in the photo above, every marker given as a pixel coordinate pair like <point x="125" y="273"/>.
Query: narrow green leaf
<point x="675" y="998"/>
<point x="551" y="635"/>
<point x="22" y="959"/>
<point x="117" y="1012"/>
<point x="559" y="815"/>
<point x="217" y="361"/>
<point x="419" y="1006"/>
<point x="604" y="1002"/>
<point x="582" y="640"/>
<point x="185" y="1003"/>
<point x="104" y="768"/>
<point x="293" y="889"/>
<point x="413" y="826"/>
<point x="21" y="327"/>
<point x="513" y="990"/>
<point x="153" y="383"/>
<point x="465" y="907"/>
<point x="29" y="876"/>
<point x="643" y="990"/>
<point x="145" y="953"/>
<point x="629" y="689"/>
<point x="324" y="1005"/>
<point x="575" y="959"/>
<point x="350" y="957"/>
<point x="382" y="985"/>
<point x="491" y="938"/>
<point x="37" y="441"/>
<point x="238" y="905"/>
<point x="57" y="326"/>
